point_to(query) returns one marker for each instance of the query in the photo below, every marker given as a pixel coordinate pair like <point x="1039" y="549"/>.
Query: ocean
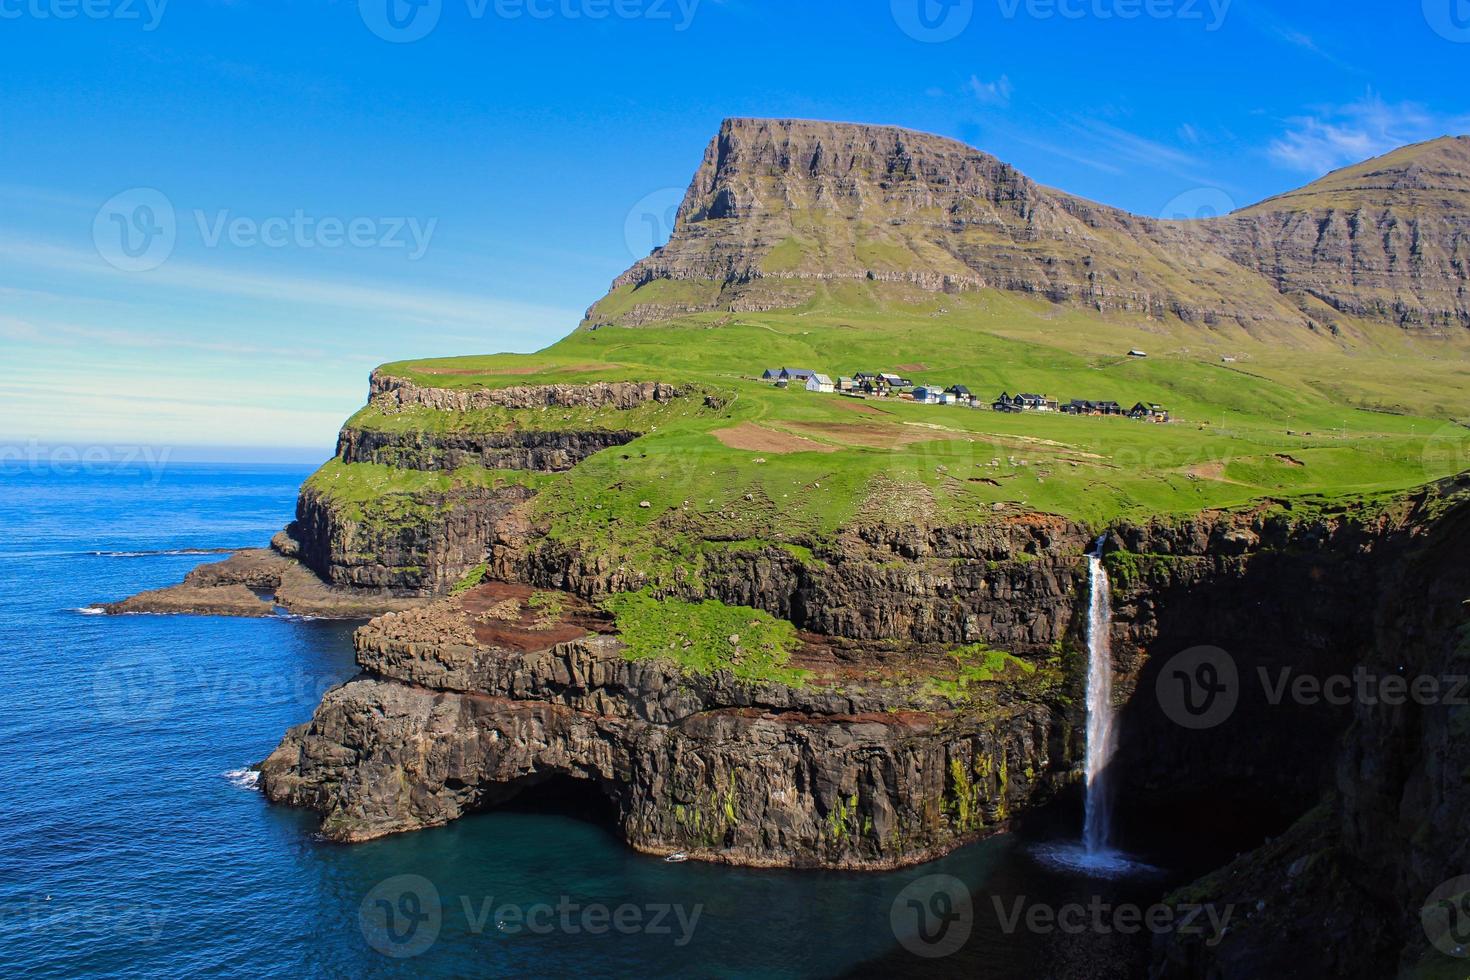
<point x="132" y="842"/>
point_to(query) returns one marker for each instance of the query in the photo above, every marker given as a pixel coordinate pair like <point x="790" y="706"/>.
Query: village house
<point x="1024" y="403"/>
<point x="1080" y="406"/>
<point x="961" y="394"/>
<point x="1148" y="413"/>
<point x="845" y="384"/>
<point x="820" y="383"/>
<point x="1137" y="353"/>
<point x="926" y="396"/>
<point x="787" y="374"/>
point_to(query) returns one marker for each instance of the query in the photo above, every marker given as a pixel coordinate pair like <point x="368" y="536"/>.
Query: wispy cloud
<point x="1279" y="29"/>
<point x="1337" y="136"/>
<point x="427" y="306"/>
<point x="1063" y="153"/>
<point x="1124" y="145"/>
<point x="996" y="93"/>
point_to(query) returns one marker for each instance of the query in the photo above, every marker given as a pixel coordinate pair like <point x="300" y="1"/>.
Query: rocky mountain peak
<point x="781" y="212"/>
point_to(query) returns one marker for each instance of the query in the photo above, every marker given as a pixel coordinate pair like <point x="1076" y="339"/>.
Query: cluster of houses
<point x="882" y="385"/>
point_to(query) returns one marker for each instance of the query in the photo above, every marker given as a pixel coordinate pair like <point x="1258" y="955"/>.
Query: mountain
<point x="1388" y="239"/>
<point x="782" y="211"/>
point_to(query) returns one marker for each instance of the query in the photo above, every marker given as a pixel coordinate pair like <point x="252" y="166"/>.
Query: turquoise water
<point x="127" y="848"/>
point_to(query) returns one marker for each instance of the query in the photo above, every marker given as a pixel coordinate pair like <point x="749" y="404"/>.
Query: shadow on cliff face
<point x="1319" y="754"/>
<point x="1213" y="741"/>
<point x="557" y="794"/>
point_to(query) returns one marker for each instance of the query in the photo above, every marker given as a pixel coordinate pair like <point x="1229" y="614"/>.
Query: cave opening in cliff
<point x="559" y="794"/>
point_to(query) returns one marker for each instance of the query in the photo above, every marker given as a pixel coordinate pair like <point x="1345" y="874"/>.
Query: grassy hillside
<point x="791" y="465"/>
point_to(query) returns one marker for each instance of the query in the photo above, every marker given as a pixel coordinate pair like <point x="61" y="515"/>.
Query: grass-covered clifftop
<point x="1270" y="422"/>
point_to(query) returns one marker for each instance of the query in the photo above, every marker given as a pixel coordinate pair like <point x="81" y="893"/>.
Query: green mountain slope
<point x="843" y="249"/>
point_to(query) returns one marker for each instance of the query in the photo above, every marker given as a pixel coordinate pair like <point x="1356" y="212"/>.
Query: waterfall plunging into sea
<point x="1095" y="854"/>
<point x="1101" y="738"/>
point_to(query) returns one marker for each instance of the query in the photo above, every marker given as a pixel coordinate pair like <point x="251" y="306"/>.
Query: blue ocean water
<point x="130" y="845"/>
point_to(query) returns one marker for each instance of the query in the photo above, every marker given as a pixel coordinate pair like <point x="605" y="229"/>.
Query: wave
<point x="243" y="778"/>
<point x="90" y="611"/>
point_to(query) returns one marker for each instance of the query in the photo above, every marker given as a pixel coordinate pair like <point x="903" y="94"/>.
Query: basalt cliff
<point x="781" y="209"/>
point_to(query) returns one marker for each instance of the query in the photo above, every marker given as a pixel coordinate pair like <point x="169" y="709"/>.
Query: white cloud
<point x="996" y="93"/>
<point x="1337" y="136"/>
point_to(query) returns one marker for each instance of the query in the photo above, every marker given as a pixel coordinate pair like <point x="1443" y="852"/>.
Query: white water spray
<point x="1101" y="737"/>
<point x="1094" y="855"/>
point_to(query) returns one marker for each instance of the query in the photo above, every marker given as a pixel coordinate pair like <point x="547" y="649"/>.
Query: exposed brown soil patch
<point x="518" y="617"/>
<point x="1289" y="460"/>
<point x="873" y="436"/>
<point x="860" y="406"/>
<point x="759" y="439"/>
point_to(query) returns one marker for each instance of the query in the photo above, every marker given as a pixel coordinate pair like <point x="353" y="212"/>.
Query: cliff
<point x="780" y="210"/>
<point x="476" y="699"/>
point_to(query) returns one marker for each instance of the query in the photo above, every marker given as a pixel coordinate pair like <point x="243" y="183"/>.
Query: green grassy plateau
<point x="1321" y="420"/>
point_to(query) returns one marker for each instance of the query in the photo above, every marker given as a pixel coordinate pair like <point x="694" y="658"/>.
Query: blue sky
<point x="313" y="188"/>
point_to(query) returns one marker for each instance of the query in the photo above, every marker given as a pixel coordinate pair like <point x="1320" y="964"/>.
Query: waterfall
<point x="1094" y="854"/>
<point x="1101" y="738"/>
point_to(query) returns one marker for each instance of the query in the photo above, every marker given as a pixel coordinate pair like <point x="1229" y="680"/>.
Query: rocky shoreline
<point x="255" y="583"/>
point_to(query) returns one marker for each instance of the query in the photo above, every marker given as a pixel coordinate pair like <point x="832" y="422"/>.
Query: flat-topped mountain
<point x="782" y="213"/>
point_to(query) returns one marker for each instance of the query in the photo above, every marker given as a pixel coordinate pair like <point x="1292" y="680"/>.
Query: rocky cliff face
<point x="453" y="715"/>
<point x="778" y="207"/>
<point x="395" y="394"/>
<point x="1387" y="240"/>
<point x="1011" y="583"/>
<point x="423" y="541"/>
<point x="1340" y="893"/>
<point x="539" y="452"/>
<point x="419" y="545"/>
<point x="465" y="704"/>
